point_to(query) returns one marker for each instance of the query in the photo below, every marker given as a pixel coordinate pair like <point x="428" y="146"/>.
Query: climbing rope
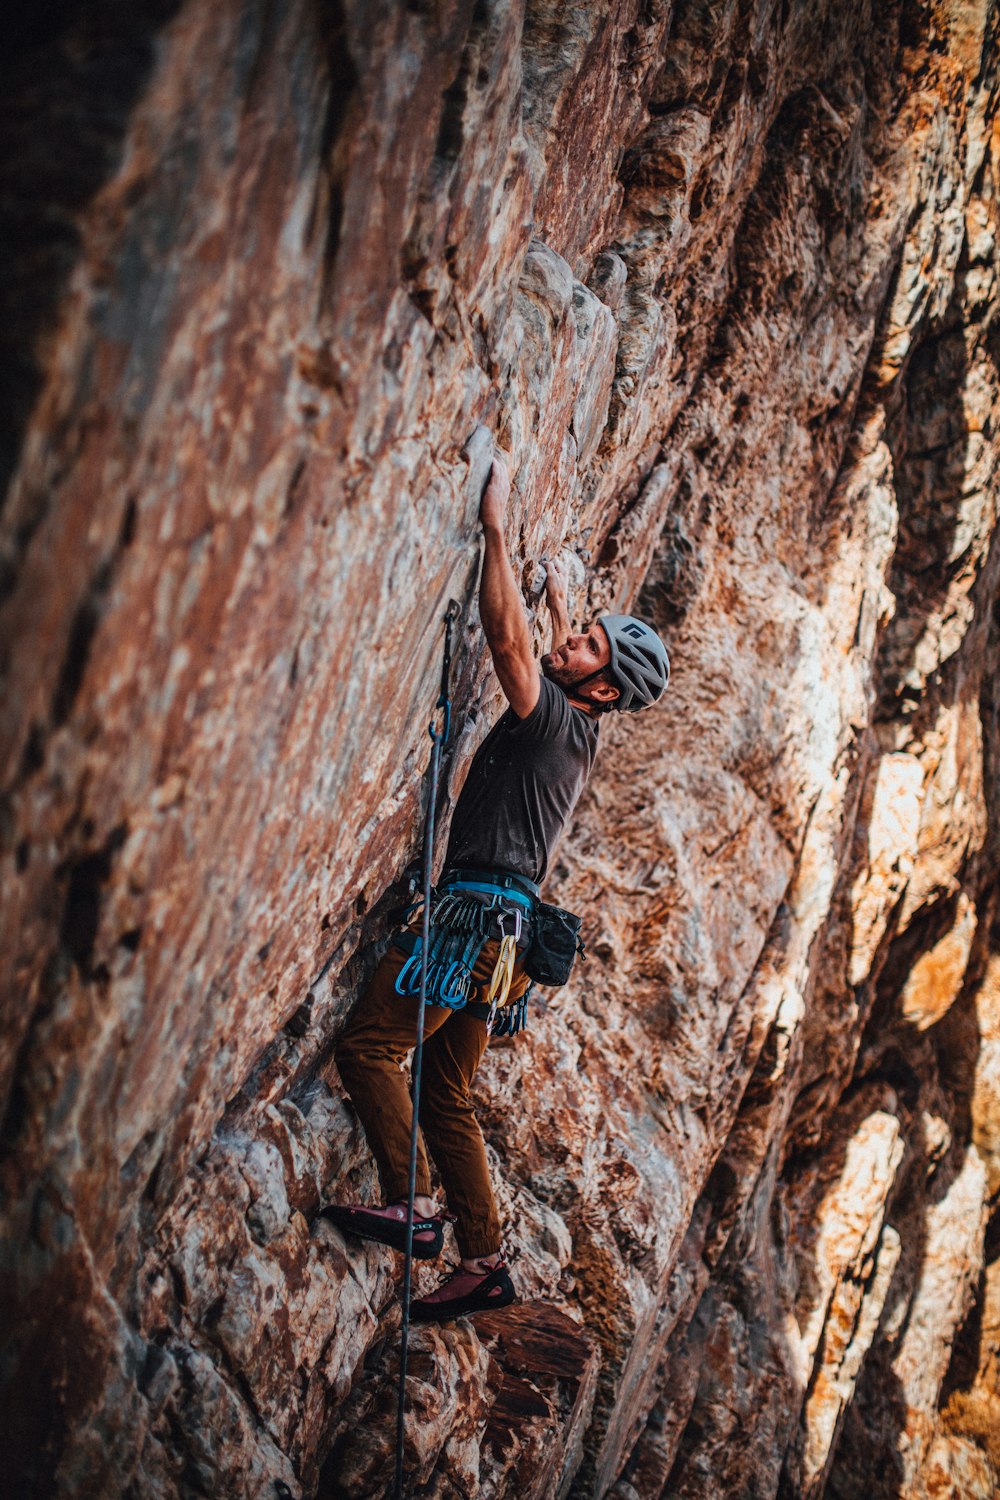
<point x="439" y="738"/>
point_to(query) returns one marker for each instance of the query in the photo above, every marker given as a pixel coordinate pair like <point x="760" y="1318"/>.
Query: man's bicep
<point x="520" y="681"/>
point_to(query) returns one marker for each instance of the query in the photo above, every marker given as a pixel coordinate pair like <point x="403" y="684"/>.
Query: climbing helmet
<point x="639" y="663"/>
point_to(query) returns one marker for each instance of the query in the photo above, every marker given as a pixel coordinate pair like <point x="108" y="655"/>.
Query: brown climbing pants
<point x="379" y="1033"/>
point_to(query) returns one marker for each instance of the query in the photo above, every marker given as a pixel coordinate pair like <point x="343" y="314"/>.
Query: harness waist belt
<point x="504" y="880"/>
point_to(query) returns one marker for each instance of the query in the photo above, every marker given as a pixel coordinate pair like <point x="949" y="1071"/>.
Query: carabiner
<point x="502" y="977"/>
<point x="516" y="917"/>
<point x="455" y="997"/>
<point x="403" y="977"/>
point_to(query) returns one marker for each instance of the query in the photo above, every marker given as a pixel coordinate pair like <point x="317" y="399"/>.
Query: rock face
<point x="722" y="279"/>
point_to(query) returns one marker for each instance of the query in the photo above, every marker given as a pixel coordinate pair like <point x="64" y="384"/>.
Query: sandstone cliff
<point x="721" y="275"/>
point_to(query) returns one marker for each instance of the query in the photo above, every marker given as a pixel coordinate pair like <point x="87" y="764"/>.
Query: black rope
<point x="439" y="739"/>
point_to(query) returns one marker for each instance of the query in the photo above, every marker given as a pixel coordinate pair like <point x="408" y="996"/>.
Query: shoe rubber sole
<point x="389" y="1232"/>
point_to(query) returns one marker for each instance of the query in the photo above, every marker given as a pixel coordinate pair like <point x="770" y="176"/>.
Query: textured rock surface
<point x="723" y="280"/>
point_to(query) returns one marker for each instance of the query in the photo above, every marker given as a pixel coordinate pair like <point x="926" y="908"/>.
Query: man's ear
<point x="605" y="692"/>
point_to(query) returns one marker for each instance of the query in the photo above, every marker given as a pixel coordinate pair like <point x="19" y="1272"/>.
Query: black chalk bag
<point x="555" y="942"/>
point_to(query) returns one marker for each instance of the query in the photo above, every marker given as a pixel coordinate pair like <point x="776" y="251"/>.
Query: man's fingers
<point x="499" y="471"/>
<point x="496" y="491"/>
<point x="498" y="484"/>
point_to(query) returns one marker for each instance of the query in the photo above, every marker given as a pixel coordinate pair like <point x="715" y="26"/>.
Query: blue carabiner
<point x="454" y="998"/>
<point x="402" y="978"/>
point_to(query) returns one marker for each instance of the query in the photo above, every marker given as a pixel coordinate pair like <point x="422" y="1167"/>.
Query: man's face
<point x="578" y="657"/>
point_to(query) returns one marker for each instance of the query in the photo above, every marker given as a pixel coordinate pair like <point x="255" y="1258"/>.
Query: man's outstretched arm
<point x="500" y="605"/>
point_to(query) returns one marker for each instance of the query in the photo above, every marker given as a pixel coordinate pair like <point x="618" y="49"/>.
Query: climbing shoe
<point x="463" y="1292"/>
<point x="387" y="1226"/>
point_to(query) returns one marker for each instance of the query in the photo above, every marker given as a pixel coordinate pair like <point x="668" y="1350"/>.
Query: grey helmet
<point x="639" y="662"/>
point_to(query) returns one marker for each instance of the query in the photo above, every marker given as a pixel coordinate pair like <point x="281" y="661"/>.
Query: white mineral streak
<point x="849" y="1255"/>
<point x="893" y="830"/>
<point x="951" y="1261"/>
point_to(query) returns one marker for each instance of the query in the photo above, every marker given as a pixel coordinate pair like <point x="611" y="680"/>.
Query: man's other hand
<point x="493" y="506"/>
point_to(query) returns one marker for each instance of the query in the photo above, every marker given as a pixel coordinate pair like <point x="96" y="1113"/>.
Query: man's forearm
<point x="560" y="623"/>
<point x="501" y="608"/>
<point x="555" y="598"/>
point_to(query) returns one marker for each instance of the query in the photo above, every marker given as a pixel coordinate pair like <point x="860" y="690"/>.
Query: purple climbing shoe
<point x="387" y="1226"/>
<point x="463" y="1291"/>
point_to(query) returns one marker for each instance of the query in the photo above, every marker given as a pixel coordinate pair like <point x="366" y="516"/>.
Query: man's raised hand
<point x="493" y="506"/>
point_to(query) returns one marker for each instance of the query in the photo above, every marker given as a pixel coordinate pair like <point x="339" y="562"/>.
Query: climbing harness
<point x="439" y="738"/>
<point x="464" y="916"/>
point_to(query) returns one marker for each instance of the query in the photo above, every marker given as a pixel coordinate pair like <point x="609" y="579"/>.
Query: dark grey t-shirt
<point x="523" y="784"/>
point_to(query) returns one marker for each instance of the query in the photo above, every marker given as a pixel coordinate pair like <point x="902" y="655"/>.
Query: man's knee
<point x="370" y="1043"/>
<point x="447" y="1098"/>
<point x="357" y="1052"/>
<point x="345" y="1056"/>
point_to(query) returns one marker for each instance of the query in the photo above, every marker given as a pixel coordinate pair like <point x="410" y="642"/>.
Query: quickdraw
<point x="460" y="925"/>
<point x="503" y="970"/>
<point x="513" y="1018"/>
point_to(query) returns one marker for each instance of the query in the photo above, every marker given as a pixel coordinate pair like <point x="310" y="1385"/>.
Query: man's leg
<point x="449" y="1124"/>
<point x="448" y="1120"/>
<point x="379" y="1033"/>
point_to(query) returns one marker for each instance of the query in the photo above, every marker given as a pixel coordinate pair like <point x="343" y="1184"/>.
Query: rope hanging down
<point x="439" y="738"/>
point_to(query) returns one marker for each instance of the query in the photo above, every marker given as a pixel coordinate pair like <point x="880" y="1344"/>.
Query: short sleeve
<point x="550" y="715"/>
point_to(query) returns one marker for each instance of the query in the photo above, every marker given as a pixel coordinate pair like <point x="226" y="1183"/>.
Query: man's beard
<point x="563" y="677"/>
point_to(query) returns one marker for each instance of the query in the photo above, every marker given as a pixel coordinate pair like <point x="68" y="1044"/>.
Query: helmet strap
<point x="601" y="708"/>
<point x="582" y="681"/>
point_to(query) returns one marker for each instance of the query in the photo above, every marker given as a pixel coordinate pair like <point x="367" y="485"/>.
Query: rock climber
<point x="487" y="921"/>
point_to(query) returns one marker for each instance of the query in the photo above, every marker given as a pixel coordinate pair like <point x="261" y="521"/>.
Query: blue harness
<point x="465" y="914"/>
